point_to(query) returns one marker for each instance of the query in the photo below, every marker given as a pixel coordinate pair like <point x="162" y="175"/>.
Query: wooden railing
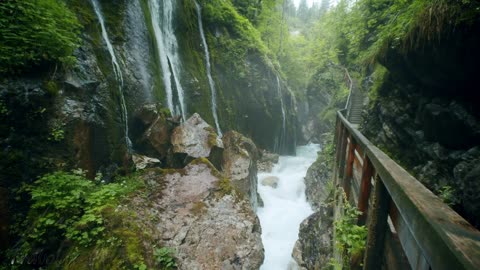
<point x="408" y="226"/>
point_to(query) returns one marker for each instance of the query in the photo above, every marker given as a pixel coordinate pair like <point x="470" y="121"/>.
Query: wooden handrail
<point x="432" y="235"/>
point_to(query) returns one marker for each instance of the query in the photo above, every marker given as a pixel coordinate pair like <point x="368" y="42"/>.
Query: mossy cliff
<point x="423" y="112"/>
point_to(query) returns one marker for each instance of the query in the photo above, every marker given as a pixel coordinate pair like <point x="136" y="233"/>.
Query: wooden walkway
<point x="409" y="227"/>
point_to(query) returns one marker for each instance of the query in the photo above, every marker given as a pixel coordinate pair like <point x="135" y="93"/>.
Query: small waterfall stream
<point x="209" y="69"/>
<point x="285" y="207"/>
<point x="281" y="141"/>
<point x="116" y="70"/>
<point x="161" y="12"/>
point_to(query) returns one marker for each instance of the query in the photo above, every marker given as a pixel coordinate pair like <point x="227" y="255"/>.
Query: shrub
<point x="34" y="32"/>
<point x="68" y="206"/>
<point x="350" y="238"/>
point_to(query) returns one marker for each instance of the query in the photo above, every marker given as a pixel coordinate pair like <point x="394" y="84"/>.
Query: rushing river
<point x="285" y="206"/>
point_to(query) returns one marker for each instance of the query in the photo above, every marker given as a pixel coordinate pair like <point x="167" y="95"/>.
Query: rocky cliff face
<point x="326" y="93"/>
<point x="423" y="113"/>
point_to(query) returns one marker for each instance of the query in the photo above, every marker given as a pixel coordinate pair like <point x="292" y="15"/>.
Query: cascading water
<point x="285" y="207"/>
<point x="116" y="70"/>
<point x="281" y="139"/>
<point x="161" y="12"/>
<point x="209" y="69"/>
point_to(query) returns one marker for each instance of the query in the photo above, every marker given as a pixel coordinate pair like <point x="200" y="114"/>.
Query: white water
<point x="283" y="133"/>
<point x="209" y="69"/>
<point x="161" y="12"/>
<point x="285" y="207"/>
<point x="116" y="70"/>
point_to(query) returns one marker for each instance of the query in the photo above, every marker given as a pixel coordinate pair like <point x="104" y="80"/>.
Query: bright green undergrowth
<point x="66" y="206"/>
<point x="350" y="238"/>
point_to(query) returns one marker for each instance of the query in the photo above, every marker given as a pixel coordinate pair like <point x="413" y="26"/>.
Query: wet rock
<point x="195" y="138"/>
<point x="451" y="126"/>
<point x="143" y="162"/>
<point x="317" y="178"/>
<point x="151" y="131"/>
<point x="240" y="164"/>
<point x="271" y="181"/>
<point x="266" y="161"/>
<point x="203" y="218"/>
<point x="313" y="249"/>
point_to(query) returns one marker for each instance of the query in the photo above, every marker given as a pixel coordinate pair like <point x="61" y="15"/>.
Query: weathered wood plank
<point x="367" y="172"/>
<point x="349" y="167"/>
<point x="377" y="227"/>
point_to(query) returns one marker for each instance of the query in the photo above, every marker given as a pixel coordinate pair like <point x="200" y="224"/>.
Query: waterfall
<point x="161" y="12"/>
<point x="116" y="70"/>
<point x="284" y="121"/>
<point x="209" y="68"/>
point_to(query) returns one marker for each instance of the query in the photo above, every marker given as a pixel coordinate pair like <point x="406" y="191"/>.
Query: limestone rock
<point x="266" y="161"/>
<point x="313" y="249"/>
<point x="195" y="138"/>
<point x="271" y="181"/>
<point x="203" y="219"/>
<point x="318" y="175"/>
<point x="143" y="162"/>
<point x="240" y="164"/>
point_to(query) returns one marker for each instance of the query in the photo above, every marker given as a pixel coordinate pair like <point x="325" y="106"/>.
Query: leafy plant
<point x="349" y="237"/>
<point x="447" y="194"/>
<point x="164" y="257"/>
<point x="57" y="133"/>
<point x="70" y="206"/>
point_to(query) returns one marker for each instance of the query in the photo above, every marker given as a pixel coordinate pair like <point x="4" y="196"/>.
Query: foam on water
<point x="285" y="207"/>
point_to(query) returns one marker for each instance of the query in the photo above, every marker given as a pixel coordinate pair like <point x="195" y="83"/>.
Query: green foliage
<point x="69" y="206"/>
<point x="239" y="37"/>
<point x="36" y="32"/>
<point x="57" y="132"/>
<point x="164" y="257"/>
<point x="349" y="237"/>
<point x="447" y="194"/>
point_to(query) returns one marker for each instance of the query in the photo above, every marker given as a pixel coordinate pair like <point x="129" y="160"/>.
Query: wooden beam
<point x="377" y="227"/>
<point x="349" y="167"/>
<point x="365" y="186"/>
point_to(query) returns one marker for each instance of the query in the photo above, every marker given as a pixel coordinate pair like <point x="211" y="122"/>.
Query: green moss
<point x="225" y="187"/>
<point x="198" y="208"/>
<point x="379" y="77"/>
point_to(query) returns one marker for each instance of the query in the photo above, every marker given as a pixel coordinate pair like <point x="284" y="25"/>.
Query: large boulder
<point x="195" y="138"/>
<point x="313" y="248"/>
<point x="202" y="217"/>
<point x="240" y="164"/>
<point x="152" y="129"/>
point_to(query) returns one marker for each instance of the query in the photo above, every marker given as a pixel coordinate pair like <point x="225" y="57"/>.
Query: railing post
<point x="365" y="186"/>
<point x="343" y="148"/>
<point x="377" y="227"/>
<point x="349" y="166"/>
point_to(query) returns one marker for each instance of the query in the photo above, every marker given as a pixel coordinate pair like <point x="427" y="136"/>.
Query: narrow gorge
<point x="237" y="134"/>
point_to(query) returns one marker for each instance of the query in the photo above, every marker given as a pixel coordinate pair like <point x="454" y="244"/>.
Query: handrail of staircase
<point x="350" y="87"/>
<point x="406" y="222"/>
